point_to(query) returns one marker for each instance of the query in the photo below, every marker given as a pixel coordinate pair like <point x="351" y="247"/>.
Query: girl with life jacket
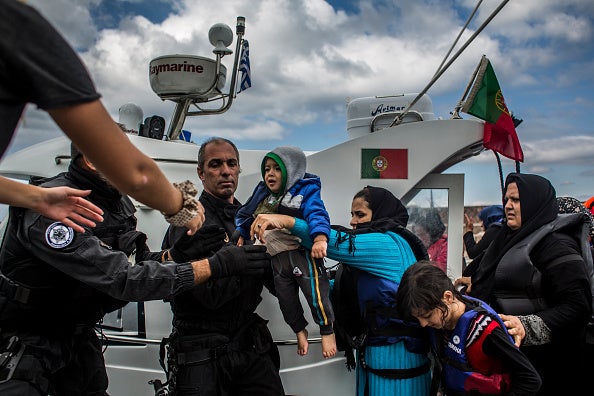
<point x="394" y="357"/>
<point x="476" y="353"/>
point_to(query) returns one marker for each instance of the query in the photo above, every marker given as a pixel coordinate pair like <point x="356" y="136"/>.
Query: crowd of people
<point x="518" y="327"/>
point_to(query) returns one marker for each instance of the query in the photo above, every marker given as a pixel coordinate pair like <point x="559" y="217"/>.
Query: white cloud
<point x="306" y="58"/>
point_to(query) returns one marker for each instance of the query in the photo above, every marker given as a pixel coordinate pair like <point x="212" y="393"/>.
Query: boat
<point x="424" y="146"/>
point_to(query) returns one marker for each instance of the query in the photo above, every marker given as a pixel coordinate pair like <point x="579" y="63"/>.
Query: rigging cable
<point x="399" y="117"/>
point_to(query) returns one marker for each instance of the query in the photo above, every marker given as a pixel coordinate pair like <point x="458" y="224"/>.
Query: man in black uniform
<point x="55" y="284"/>
<point x="221" y="347"/>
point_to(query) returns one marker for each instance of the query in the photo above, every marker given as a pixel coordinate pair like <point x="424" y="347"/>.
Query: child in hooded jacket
<point x="288" y="189"/>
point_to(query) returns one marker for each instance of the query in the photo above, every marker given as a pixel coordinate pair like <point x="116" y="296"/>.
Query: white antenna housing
<point x="130" y="115"/>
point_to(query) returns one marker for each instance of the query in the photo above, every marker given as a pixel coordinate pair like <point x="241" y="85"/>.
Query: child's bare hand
<point x="318" y="249"/>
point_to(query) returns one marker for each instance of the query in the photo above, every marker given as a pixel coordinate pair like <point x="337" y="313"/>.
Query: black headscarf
<point x="538" y="206"/>
<point x="387" y="212"/>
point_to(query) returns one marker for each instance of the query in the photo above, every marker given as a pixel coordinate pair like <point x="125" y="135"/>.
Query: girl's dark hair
<point x="421" y="290"/>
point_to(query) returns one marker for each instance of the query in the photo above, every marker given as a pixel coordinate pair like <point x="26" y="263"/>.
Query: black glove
<point x="238" y="260"/>
<point x="207" y="240"/>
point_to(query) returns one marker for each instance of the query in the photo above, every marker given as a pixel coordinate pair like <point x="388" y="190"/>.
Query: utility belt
<point x="200" y="349"/>
<point x="203" y="348"/>
<point x="193" y="350"/>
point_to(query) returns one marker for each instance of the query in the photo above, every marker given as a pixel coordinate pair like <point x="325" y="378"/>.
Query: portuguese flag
<point x="384" y="163"/>
<point x="486" y="102"/>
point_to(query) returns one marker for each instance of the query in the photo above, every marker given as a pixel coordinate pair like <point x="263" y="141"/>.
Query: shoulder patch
<point x="58" y="235"/>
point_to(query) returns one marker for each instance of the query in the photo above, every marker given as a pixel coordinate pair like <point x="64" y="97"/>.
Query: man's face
<point x="513" y="214"/>
<point x="220" y="171"/>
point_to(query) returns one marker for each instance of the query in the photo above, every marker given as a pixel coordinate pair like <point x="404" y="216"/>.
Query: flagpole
<point x="456" y="114"/>
<point x="399" y="117"/>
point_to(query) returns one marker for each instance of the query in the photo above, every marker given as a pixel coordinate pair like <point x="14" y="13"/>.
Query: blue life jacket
<point x="377" y="297"/>
<point x="460" y="377"/>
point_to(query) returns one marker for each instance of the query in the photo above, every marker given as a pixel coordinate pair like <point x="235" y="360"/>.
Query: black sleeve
<point x="469" y="243"/>
<point x="42" y="67"/>
<point x="268" y="279"/>
<point x="566" y="282"/>
<point x="87" y="259"/>
<point x="524" y="377"/>
<point x="475" y="248"/>
<point x="471" y="268"/>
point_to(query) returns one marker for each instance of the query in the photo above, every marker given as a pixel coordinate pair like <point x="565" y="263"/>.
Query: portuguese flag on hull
<point x="486" y="102"/>
<point x="384" y="163"/>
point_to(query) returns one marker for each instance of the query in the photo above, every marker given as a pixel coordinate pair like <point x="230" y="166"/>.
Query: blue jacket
<point x="302" y="200"/>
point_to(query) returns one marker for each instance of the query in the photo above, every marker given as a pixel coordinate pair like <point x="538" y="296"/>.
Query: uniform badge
<point x="58" y="235"/>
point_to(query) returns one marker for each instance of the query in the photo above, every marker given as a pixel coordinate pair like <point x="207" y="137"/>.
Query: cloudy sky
<point x="308" y="56"/>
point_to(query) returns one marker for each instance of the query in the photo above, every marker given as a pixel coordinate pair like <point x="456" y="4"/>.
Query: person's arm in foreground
<point x="90" y="261"/>
<point x="94" y="132"/>
<point x="377" y="253"/>
<point x="63" y="204"/>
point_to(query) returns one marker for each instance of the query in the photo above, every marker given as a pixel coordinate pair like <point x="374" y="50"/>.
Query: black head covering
<point x="538" y="206"/>
<point x="387" y="212"/>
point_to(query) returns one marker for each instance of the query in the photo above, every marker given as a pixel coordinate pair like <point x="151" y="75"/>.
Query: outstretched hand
<point x="264" y="222"/>
<point x="468" y="223"/>
<point x="68" y="206"/>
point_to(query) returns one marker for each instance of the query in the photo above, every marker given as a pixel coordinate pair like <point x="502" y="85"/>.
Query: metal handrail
<point x="144" y="341"/>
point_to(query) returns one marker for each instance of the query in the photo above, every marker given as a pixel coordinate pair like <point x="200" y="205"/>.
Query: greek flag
<point x="244" y="67"/>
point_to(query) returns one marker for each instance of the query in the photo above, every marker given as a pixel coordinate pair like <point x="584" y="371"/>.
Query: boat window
<point x="428" y="220"/>
<point x="442" y="195"/>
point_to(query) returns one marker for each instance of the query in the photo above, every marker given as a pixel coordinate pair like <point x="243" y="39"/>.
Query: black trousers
<point x="294" y="270"/>
<point x="237" y="373"/>
<point x="60" y="365"/>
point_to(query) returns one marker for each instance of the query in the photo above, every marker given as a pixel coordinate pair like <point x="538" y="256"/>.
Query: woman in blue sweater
<point x="394" y="359"/>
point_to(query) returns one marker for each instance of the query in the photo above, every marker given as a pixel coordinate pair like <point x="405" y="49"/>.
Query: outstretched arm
<point x="94" y="132"/>
<point x="380" y="254"/>
<point x="63" y="204"/>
